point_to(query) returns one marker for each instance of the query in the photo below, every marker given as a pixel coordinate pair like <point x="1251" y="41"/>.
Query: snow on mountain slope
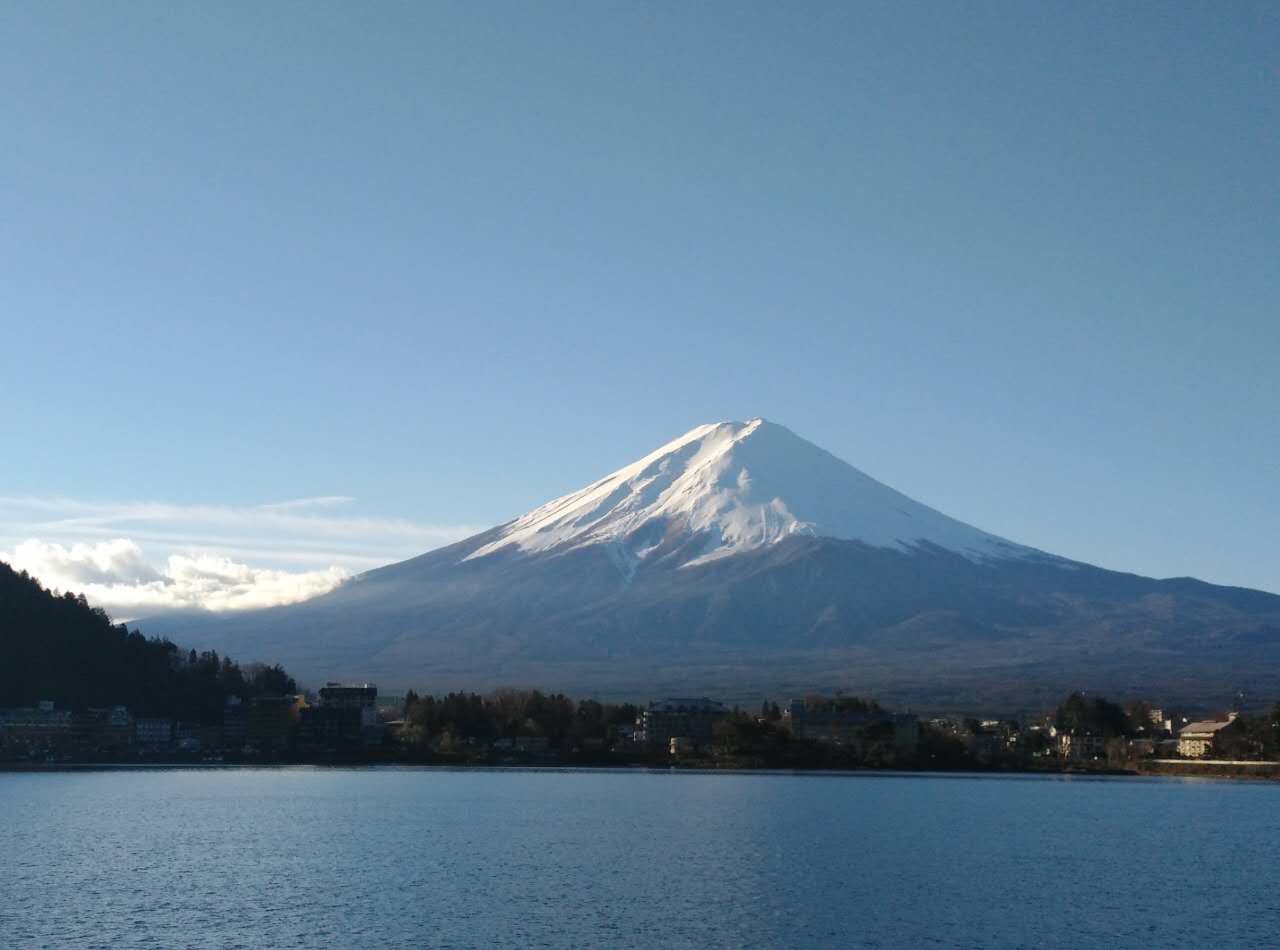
<point x="729" y="487"/>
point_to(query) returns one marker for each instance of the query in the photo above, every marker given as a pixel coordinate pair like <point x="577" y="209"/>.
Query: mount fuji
<point x="725" y="489"/>
<point x="742" y="560"/>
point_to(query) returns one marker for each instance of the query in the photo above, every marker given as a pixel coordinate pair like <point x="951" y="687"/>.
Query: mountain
<point x="742" y="560"/>
<point x="722" y="490"/>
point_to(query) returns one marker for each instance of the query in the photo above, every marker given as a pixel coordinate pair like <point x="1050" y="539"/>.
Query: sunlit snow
<point x="735" y="486"/>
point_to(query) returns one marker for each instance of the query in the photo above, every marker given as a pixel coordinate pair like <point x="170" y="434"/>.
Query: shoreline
<point x="1234" y="771"/>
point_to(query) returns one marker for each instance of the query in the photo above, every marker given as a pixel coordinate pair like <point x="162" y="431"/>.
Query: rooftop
<point x="1203" y="728"/>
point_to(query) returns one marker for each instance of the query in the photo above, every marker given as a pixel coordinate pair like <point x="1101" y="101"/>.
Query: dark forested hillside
<point x="59" y="648"/>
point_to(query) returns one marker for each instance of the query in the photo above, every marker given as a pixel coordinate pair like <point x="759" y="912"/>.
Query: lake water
<point x="267" y="858"/>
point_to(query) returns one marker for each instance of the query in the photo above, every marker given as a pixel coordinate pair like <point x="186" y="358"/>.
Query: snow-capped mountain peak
<point x="724" y="488"/>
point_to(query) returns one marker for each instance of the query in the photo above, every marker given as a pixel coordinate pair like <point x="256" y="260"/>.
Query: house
<point x="1197" y="739"/>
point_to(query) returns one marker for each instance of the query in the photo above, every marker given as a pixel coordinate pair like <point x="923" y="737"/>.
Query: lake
<point x="390" y="857"/>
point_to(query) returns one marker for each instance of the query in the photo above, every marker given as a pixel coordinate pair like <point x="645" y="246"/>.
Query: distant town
<point x="350" y="723"/>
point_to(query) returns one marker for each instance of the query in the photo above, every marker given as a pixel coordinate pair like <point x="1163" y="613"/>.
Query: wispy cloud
<point x="301" y="531"/>
<point x="139" y="556"/>
<point x="322" y="501"/>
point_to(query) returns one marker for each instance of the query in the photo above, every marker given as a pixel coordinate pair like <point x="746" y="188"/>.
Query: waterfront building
<point x="692" y="719"/>
<point x="153" y="732"/>
<point x="235" y="722"/>
<point x="826" y="721"/>
<point x="1142" y="748"/>
<point x="329" y="727"/>
<point x="1197" y="739"/>
<point x="102" y="727"/>
<point x="985" y="746"/>
<point x="190" y="737"/>
<point x="1081" y="748"/>
<point x="31" y="728"/>
<point x="273" y="720"/>
<point x="345" y="716"/>
<point x="680" y="745"/>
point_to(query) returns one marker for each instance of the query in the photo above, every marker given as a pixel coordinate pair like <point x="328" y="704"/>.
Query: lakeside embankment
<point x="1211" y="768"/>
<point x="1168" y="768"/>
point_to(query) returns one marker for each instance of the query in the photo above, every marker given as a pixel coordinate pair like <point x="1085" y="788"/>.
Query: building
<point x="235" y="722"/>
<point x="1142" y="748"/>
<point x="339" y="696"/>
<point x="329" y="727"/>
<point x="986" y="746"/>
<point x="680" y="745"/>
<point x="273" y="721"/>
<point x="826" y="721"/>
<point x="1197" y="739"/>
<point x="1081" y="748"/>
<point x="42" y="727"/>
<point x="667" y="719"/>
<point x="102" y="728"/>
<point x="345" y="716"/>
<point x="152" y="732"/>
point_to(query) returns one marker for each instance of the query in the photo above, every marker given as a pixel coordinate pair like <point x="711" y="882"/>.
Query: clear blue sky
<point x="1020" y="261"/>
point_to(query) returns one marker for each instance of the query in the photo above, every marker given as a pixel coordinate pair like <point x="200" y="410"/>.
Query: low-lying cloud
<point x="114" y="575"/>
<point x="139" y="558"/>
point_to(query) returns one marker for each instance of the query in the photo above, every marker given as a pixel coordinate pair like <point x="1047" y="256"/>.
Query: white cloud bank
<point x="115" y="575"/>
<point x="215" y="557"/>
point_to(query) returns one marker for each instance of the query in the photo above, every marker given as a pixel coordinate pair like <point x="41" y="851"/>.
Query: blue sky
<point x="434" y="264"/>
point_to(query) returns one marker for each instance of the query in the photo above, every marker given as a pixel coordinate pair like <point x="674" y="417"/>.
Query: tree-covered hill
<point x="61" y="649"/>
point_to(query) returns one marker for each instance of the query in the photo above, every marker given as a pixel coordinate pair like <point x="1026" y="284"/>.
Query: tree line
<point x="1255" y="736"/>
<point x="453" y="719"/>
<point x="57" y="647"/>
